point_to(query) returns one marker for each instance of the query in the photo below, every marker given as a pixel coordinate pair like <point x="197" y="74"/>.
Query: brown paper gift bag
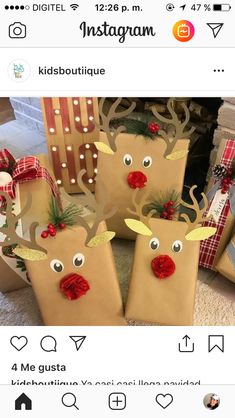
<point x="101" y="305"/>
<point x="11" y="276"/>
<point x="127" y="162"/>
<point x="165" y="267"/>
<point x="226" y="265"/>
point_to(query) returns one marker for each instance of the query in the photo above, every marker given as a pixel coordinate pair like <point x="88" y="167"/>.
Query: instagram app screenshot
<point x="117" y="209"/>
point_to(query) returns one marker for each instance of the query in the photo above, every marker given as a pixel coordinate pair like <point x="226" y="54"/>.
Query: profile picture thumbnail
<point x="211" y="401"/>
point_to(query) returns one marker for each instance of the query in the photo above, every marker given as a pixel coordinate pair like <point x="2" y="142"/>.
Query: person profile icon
<point x="211" y="401"/>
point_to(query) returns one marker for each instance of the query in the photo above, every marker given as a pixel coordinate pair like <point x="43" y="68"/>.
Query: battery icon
<point x="222" y="7"/>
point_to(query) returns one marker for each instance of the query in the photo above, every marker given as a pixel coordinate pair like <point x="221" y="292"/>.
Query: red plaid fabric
<point x="22" y="171"/>
<point x="209" y="247"/>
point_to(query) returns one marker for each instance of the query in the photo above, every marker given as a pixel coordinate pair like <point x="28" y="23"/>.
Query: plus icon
<point x="117" y="401"/>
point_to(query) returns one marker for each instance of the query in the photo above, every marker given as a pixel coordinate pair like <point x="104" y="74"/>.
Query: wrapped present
<point x="226" y="263"/>
<point x="221" y="197"/>
<point x="72" y="268"/>
<point x="165" y="266"/>
<point x="151" y="160"/>
<point x="70" y="126"/>
<point x="19" y="179"/>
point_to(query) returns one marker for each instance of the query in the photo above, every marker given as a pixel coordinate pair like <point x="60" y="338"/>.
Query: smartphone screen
<point x="117" y="208"/>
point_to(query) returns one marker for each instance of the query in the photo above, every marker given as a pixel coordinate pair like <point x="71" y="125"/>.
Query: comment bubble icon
<point x="48" y="344"/>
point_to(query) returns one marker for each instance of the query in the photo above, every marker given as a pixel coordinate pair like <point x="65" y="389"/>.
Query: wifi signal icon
<point x="74" y="6"/>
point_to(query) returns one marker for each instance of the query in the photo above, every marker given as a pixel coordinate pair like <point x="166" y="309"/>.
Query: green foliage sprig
<point x="68" y="216"/>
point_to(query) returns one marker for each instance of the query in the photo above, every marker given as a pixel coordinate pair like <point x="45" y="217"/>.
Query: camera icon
<point x="17" y="30"/>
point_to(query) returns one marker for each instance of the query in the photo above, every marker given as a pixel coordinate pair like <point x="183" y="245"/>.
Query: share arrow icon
<point x="78" y="340"/>
<point x="216" y="28"/>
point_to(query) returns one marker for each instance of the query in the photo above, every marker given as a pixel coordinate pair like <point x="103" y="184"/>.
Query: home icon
<point x="23" y="402"/>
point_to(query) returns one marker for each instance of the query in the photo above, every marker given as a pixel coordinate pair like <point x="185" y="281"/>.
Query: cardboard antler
<point x="195" y="232"/>
<point x="180" y="132"/>
<point x="33" y="251"/>
<point x="105" y="125"/>
<point x="100" y="214"/>
<point x="140" y="226"/>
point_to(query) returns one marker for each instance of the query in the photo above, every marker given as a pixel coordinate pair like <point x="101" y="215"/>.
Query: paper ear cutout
<point x="200" y="234"/>
<point x="177" y="155"/>
<point x="138" y="227"/>
<point x="31" y="255"/>
<point x="102" y="147"/>
<point x="101" y="239"/>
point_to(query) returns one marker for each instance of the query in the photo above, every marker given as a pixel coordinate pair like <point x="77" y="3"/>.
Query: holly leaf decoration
<point x="20" y="264"/>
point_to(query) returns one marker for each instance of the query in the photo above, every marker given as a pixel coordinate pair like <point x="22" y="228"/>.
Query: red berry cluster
<point x="227" y="181"/>
<point x="168" y="210"/>
<point x="51" y="230"/>
<point x="153" y="127"/>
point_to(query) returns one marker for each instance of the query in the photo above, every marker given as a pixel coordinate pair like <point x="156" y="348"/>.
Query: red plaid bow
<point x="22" y="171"/>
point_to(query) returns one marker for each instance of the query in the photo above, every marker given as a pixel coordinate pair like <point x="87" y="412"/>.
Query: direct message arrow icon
<point x="78" y="340"/>
<point x="216" y="28"/>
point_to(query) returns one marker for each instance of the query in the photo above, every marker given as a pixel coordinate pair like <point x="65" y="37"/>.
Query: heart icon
<point x="164" y="400"/>
<point x="18" y="342"/>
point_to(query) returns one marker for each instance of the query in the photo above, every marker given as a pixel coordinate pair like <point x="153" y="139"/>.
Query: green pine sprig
<point x="137" y="127"/>
<point x="157" y="205"/>
<point x="68" y="216"/>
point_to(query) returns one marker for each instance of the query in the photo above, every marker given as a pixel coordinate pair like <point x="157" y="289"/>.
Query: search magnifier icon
<point x="69" y="400"/>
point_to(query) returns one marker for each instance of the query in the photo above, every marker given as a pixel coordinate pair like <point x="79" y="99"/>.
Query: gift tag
<point x="217" y="205"/>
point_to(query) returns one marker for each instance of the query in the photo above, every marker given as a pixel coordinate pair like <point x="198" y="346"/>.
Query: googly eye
<point x="128" y="160"/>
<point x="177" y="246"/>
<point x="147" y="162"/>
<point x="57" y="266"/>
<point x="78" y="260"/>
<point x="154" y="243"/>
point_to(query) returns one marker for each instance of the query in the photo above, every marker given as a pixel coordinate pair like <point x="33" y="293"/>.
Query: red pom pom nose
<point x="73" y="286"/>
<point x="137" y="179"/>
<point x="163" y="266"/>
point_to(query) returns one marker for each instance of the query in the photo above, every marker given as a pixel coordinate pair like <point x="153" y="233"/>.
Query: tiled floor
<point x="215" y="301"/>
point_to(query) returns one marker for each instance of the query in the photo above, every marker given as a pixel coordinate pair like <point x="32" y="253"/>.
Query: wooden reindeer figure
<point x="130" y="161"/>
<point x="165" y="267"/>
<point x="72" y="274"/>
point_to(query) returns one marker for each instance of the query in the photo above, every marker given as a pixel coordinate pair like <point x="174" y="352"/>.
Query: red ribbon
<point x="22" y="171"/>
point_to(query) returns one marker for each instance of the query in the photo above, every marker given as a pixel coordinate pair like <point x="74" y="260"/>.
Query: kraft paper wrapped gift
<point x="165" y="268"/>
<point x="12" y="273"/>
<point x="130" y="161"/>
<point x="100" y="305"/>
<point x="71" y="265"/>
<point x="226" y="263"/>
<point x="222" y="207"/>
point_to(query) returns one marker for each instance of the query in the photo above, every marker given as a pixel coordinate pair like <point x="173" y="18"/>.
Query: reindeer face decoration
<point x="72" y="274"/>
<point x="164" y="275"/>
<point x="128" y="161"/>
